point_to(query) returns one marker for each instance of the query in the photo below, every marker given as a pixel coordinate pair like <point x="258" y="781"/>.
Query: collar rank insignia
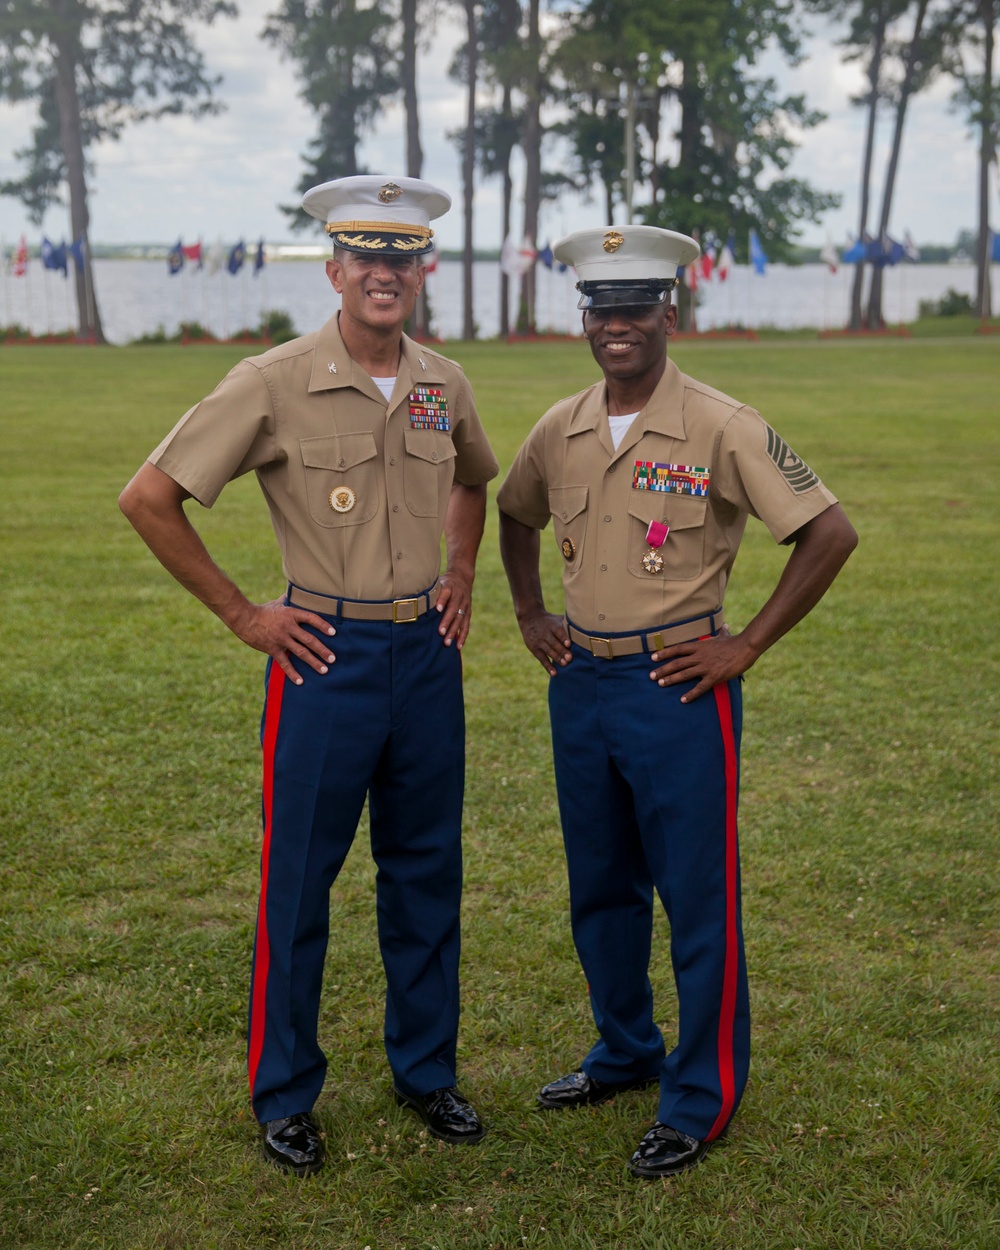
<point x="429" y="409"/>
<point x="672" y="479"/>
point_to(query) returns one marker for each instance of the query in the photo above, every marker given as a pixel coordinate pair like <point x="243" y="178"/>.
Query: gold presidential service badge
<point x="568" y="548"/>
<point x="342" y="499"/>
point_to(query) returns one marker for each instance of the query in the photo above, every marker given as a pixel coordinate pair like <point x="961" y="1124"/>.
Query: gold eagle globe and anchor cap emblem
<point x="613" y="241"/>
<point x="388" y="192"/>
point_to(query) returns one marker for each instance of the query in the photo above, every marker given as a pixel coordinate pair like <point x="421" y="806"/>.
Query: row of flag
<point x="213" y="258"/>
<point x="868" y="250"/>
<point x="51" y="255"/>
<point x="716" y="258"/>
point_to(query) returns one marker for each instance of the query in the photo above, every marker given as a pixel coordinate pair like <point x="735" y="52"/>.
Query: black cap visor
<point x="641" y="293"/>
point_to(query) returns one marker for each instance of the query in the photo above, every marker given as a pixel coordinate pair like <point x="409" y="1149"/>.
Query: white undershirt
<point x="386" y="386"/>
<point x="619" y="426"/>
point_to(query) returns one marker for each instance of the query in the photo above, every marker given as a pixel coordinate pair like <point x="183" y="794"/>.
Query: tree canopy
<point x="93" y="67"/>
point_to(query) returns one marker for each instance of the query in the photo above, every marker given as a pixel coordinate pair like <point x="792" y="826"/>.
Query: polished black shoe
<point x="294" y="1144"/>
<point x="580" y="1090"/>
<point x="664" y="1151"/>
<point x="446" y="1113"/>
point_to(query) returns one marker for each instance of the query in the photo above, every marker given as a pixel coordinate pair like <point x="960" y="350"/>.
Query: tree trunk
<point x="414" y="152"/>
<point x="469" y="168"/>
<point x="420" y="321"/>
<point x="532" y="143"/>
<point x="874" y="67"/>
<point x="988" y="13"/>
<point x="687" y="98"/>
<point x="71" y="142"/>
<point x="506" y="211"/>
<point x="875" y="317"/>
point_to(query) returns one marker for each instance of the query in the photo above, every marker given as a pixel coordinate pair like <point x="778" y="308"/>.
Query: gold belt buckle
<point x="408" y="606"/>
<point x="607" y="654"/>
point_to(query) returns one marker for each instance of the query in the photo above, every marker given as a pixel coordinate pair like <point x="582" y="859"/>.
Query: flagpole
<point x="201" y="276"/>
<point x="69" y="300"/>
<point x="225" y="303"/>
<point x="749" y="295"/>
<point x="6" y="279"/>
<point x="45" y="297"/>
<point x="28" y="302"/>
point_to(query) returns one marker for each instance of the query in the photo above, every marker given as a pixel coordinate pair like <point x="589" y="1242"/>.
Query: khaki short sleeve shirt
<point x="357" y="488"/>
<point x="694" y="460"/>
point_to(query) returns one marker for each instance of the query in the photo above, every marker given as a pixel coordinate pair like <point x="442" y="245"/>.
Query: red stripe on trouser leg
<point x="262" y="951"/>
<point x="727" y="1013"/>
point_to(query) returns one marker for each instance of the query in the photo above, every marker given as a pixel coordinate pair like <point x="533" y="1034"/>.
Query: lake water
<point x="139" y="296"/>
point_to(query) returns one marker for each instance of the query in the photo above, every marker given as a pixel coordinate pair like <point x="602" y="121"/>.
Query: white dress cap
<point x="372" y="213"/>
<point x="625" y="253"/>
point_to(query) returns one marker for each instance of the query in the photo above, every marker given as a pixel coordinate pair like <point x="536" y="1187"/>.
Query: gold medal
<point x="652" y="561"/>
<point x="568" y="548"/>
<point x="342" y="499"/>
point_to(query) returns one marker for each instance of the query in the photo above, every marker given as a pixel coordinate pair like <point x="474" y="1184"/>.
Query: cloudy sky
<point x="225" y="176"/>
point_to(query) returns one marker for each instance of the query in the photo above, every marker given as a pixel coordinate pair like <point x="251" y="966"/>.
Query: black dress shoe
<point x="294" y="1143"/>
<point x="446" y="1113"/>
<point x="580" y="1090"/>
<point x="664" y="1151"/>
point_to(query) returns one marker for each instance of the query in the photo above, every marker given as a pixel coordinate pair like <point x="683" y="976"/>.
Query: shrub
<point x="276" y="325"/>
<point x="193" y="332"/>
<point x="952" y="304"/>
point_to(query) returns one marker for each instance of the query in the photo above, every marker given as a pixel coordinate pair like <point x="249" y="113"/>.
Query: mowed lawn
<point x="130" y="839"/>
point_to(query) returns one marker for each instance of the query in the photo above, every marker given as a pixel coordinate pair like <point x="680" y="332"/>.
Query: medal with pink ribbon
<point x="656" y="536"/>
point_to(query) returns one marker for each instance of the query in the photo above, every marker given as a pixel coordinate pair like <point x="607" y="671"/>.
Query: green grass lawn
<point x="130" y="817"/>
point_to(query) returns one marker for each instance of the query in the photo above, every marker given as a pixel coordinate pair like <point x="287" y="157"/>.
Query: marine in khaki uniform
<point x="367" y="447"/>
<point x="648" y="478"/>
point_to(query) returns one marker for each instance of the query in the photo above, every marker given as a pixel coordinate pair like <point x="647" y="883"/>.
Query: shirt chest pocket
<point x="683" y="551"/>
<point x="342" y="481"/>
<point x="428" y="472"/>
<point x="568" y="505"/>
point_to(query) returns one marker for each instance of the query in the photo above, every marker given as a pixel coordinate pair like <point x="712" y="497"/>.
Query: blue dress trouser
<point x="647" y="792"/>
<point x="387" y="722"/>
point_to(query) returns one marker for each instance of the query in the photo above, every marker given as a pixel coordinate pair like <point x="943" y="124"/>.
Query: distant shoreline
<point x="930" y="254"/>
